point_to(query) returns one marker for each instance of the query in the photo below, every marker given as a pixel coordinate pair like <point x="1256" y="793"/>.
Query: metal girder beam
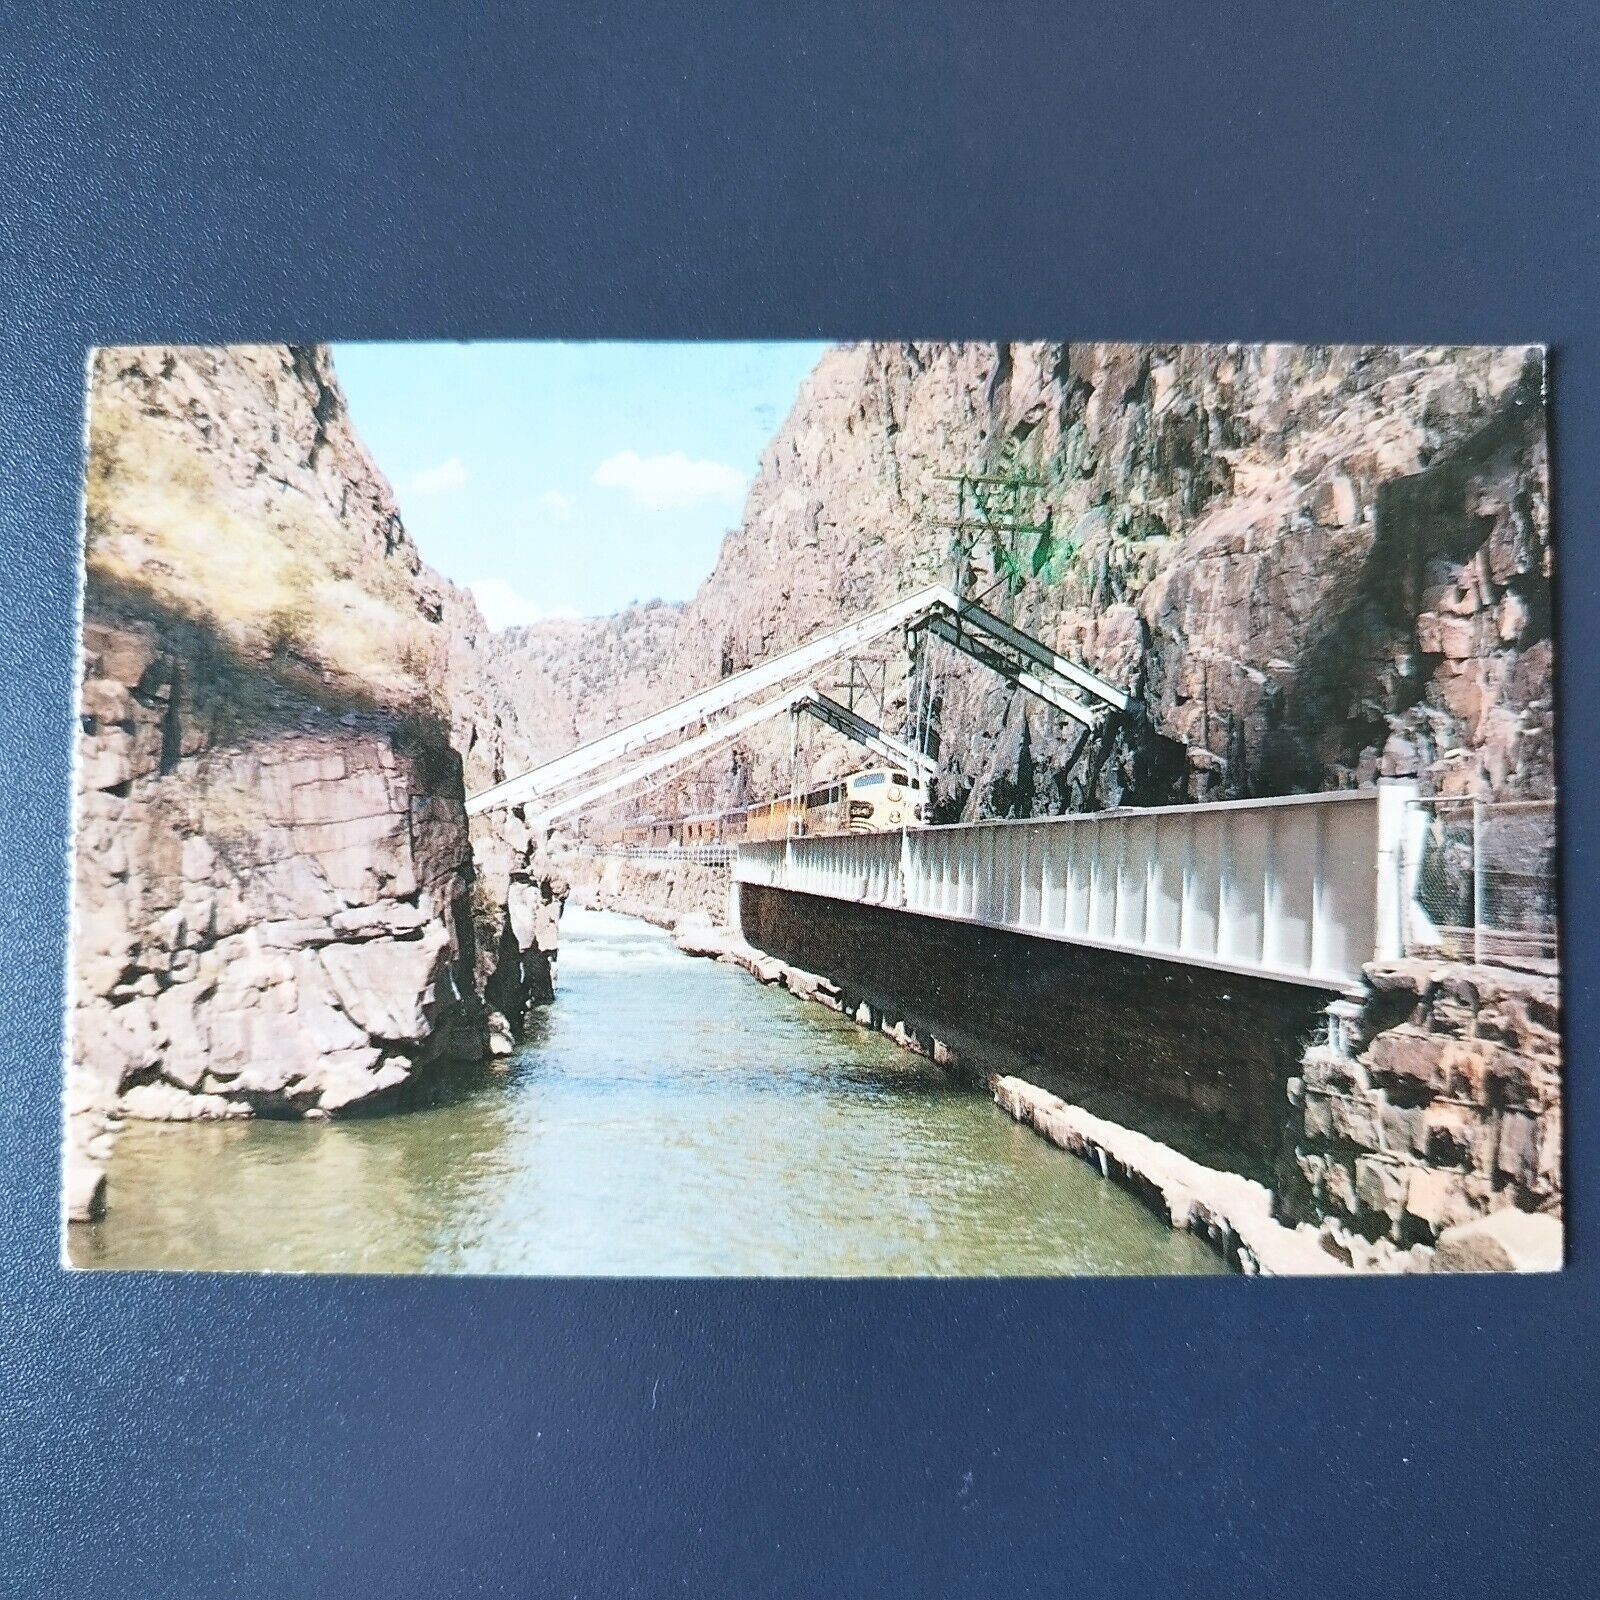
<point x="590" y="757"/>
<point x="804" y="699"/>
<point x="968" y="626"/>
<point x="854" y="726"/>
<point x="974" y="616"/>
<point x="679" y="753"/>
<point x="1011" y="671"/>
<point x="1303" y="889"/>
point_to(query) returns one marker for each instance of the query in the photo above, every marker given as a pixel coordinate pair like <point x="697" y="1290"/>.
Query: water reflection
<point x="671" y="1117"/>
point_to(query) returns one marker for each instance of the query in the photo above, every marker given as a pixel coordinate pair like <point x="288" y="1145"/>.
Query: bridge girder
<point x="1019" y="658"/>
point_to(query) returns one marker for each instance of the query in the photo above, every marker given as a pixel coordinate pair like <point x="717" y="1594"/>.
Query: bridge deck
<point x="1304" y="889"/>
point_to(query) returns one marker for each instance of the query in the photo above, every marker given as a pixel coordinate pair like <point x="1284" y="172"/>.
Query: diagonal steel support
<point x="970" y="615"/>
<point x="586" y="758"/>
<point x="979" y="633"/>
<point x="854" y="726"/>
<point x="687" y="751"/>
<point x="1012" y="671"/>
<point x="805" y="699"/>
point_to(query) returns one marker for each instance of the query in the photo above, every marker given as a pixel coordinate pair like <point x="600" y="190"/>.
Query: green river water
<point x="670" y="1116"/>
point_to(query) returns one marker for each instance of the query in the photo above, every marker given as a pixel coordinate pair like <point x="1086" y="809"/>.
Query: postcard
<point x="815" y="810"/>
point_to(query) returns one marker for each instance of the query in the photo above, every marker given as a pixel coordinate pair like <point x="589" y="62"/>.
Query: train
<point x="876" y="800"/>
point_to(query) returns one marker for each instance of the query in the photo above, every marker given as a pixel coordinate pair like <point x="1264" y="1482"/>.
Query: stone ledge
<point x="1230" y="1212"/>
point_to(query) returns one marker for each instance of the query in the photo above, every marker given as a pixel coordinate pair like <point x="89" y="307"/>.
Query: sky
<point x="570" y="479"/>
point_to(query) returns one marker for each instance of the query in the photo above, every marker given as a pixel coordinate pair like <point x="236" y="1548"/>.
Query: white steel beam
<point x="678" y="754"/>
<point x="589" y="757"/>
<point x="855" y="726"/>
<point x="804" y="699"/>
<point x="936" y="607"/>
<point x="974" y="616"/>
<point x="1021" y="677"/>
<point x="1280" y="888"/>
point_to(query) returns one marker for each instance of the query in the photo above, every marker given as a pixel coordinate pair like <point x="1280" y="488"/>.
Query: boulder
<point x="1504" y="1241"/>
<point x="390" y="987"/>
<point x="166" y="1102"/>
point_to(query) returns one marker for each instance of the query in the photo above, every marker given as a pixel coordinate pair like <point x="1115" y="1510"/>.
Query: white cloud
<point x="657" y="482"/>
<point x="503" y="607"/>
<point x="442" y="479"/>
<point x="558" y="504"/>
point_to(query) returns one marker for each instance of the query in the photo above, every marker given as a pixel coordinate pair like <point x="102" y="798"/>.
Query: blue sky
<point x="570" y="479"/>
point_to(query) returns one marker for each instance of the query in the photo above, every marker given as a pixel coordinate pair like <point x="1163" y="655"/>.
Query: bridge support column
<point x="1397" y="865"/>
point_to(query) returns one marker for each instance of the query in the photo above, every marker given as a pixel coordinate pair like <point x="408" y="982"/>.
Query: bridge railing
<point x="1486" y="884"/>
<point x="1305" y="889"/>
<point x="708" y="854"/>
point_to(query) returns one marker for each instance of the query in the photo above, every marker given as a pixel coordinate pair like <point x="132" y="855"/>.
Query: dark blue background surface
<point x="1120" y="171"/>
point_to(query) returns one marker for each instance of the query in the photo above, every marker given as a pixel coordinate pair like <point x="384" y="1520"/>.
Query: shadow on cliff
<point x="213" y="692"/>
<point x="1366" y="667"/>
<point x="204" y="694"/>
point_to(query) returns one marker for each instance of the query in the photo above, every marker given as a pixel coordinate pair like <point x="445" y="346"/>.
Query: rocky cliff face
<point x="569" y="679"/>
<point x="1315" y="566"/>
<point x="276" y="906"/>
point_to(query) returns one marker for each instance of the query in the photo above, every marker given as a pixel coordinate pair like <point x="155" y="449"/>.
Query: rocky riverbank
<point x="662" y="892"/>
<point x="278" y="909"/>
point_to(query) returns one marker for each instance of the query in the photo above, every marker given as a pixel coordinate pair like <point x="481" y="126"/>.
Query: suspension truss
<point x="805" y="701"/>
<point x="1016" y="656"/>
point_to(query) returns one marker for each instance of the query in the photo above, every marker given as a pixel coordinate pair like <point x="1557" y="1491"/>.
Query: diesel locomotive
<point x="877" y="800"/>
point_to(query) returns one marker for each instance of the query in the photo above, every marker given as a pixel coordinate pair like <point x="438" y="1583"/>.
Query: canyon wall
<point x="1316" y="565"/>
<point x="276" y="908"/>
<point x="666" y="893"/>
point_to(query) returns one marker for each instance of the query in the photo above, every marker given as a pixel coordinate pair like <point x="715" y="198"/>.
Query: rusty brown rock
<point x="1381" y="1186"/>
<point x="1409" y="1054"/>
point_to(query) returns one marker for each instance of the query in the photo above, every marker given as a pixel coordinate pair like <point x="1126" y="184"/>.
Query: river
<point x="669" y="1116"/>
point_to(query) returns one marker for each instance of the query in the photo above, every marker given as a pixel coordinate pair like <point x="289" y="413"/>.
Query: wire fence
<point x="1484" y="880"/>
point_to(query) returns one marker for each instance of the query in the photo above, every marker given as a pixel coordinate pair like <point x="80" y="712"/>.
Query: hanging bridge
<point x="1305" y="889"/>
<point x="1302" y="890"/>
<point x="1021" y="659"/>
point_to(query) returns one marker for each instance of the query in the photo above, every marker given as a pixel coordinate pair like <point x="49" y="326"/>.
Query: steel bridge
<point x="697" y="723"/>
<point x="1303" y="890"/>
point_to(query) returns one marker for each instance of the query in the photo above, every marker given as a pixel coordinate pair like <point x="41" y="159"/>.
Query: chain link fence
<point x="1484" y="880"/>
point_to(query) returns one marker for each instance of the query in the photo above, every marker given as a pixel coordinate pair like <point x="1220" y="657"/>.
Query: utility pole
<point x="999" y="510"/>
